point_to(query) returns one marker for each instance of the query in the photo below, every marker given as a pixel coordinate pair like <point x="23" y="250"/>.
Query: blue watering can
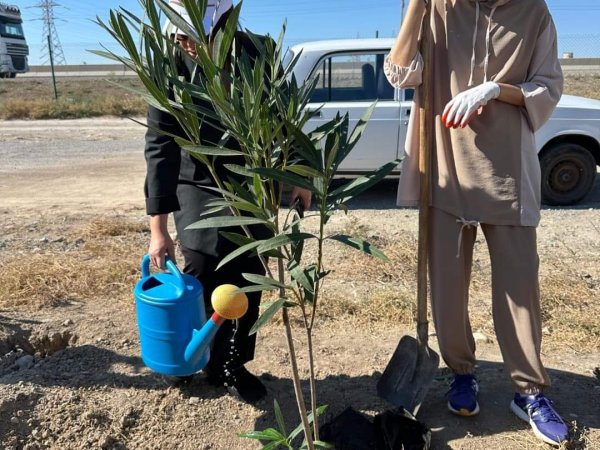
<point x="174" y="334"/>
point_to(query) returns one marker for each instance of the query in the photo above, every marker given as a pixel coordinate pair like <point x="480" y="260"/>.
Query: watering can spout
<point x="201" y="339"/>
<point x="229" y="304"/>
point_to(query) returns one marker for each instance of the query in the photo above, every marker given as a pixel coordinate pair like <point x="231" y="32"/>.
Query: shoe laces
<point x="462" y="385"/>
<point x="541" y="408"/>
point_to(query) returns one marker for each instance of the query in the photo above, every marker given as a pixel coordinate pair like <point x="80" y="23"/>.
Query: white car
<point x="351" y="77"/>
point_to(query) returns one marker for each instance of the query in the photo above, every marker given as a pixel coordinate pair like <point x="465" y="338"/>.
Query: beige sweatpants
<point x="515" y="296"/>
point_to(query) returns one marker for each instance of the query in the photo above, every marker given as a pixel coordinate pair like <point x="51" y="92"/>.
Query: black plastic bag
<point x="350" y="430"/>
<point x="391" y="430"/>
<point x="400" y="430"/>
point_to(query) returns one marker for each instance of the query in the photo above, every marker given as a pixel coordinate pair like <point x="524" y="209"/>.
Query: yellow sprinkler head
<point x="228" y="302"/>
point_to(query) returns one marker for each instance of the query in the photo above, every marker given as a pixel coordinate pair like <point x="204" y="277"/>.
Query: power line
<point x="52" y="49"/>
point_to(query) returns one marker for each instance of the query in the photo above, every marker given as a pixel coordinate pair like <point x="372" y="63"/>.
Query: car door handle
<point x="408" y="112"/>
<point x="316" y="113"/>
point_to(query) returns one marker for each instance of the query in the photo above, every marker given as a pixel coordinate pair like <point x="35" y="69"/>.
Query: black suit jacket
<point x="175" y="181"/>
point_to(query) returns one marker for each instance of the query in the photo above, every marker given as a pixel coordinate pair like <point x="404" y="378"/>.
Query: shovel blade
<point x="409" y="374"/>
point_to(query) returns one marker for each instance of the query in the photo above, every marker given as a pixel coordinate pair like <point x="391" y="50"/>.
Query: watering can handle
<point x="171" y="266"/>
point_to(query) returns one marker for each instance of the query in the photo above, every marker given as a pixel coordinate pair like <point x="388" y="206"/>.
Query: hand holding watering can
<point x="174" y="334"/>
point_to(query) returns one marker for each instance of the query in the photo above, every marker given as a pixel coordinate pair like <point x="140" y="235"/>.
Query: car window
<point x="351" y="78"/>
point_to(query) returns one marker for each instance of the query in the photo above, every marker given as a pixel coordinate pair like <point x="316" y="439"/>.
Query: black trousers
<point x="232" y="347"/>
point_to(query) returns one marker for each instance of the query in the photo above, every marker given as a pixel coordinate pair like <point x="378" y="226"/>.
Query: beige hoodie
<point x="489" y="171"/>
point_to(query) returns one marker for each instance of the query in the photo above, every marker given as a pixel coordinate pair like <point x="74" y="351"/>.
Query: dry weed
<point x="113" y="226"/>
<point x="55" y="280"/>
<point x="361" y="287"/>
<point x="33" y="99"/>
<point x="77" y="98"/>
<point x="102" y="266"/>
<point x="373" y="290"/>
<point x="583" y="85"/>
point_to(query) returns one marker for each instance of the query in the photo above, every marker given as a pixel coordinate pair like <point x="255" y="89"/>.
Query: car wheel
<point x="568" y="173"/>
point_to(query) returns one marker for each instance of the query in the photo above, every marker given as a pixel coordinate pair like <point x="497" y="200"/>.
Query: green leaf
<point x="275" y="445"/>
<point x="212" y="151"/>
<point x="161" y="103"/>
<point x="304" y="171"/>
<point x="214" y="210"/>
<point x="224" y="47"/>
<point x="281" y="240"/>
<point x="361" y="184"/>
<point x="279" y="417"/>
<point x="195" y="32"/>
<point x="240" y="170"/>
<point x="224" y="221"/>
<point x="284" y="177"/>
<point x="356" y="135"/>
<point x="267" y="315"/>
<point x="270" y="434"/>
<point x="299" y="428"/>
<point x="236" y="238"/>
<point x="333" y="144"/>
<point x="258" y="288"/>
<point x="361" y="245"/>
<point x="299" y="275"/>
<point x="238" y="252"/>
<point x="305" y="147"/>
<point x="260" y="279"/>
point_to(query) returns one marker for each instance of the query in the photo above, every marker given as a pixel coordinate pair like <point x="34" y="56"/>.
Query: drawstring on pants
<point x="465" y="224"/>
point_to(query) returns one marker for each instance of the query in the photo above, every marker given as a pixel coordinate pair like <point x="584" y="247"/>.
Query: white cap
<point x="214" y="11"/>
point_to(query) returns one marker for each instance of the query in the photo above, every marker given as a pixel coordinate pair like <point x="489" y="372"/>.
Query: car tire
<point x="568" y="173"/>
<point x="13" y="74"/>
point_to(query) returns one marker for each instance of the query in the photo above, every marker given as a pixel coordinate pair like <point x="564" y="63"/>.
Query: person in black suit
<point x="175" y="183"/>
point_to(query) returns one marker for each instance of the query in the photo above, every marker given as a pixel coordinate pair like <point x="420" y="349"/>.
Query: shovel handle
<point x="425" y="144"/>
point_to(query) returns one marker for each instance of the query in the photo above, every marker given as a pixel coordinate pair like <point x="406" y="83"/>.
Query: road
<point x="101" y="160"/>
<point x="71" y="165"/>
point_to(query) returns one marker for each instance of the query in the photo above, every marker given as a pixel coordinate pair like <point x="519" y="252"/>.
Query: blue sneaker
<point x="462" y="396"/>
<point x="537" y="410"/>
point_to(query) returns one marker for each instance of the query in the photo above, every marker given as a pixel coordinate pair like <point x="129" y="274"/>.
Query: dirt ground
<point x="70" y="372"/>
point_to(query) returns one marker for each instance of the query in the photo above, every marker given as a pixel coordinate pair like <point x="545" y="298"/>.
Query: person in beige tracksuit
<point x="496" y="79"/>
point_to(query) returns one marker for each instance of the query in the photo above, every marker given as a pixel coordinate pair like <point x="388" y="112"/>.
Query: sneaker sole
<point x="525" y="417"/>
<point x="464" y="412"/>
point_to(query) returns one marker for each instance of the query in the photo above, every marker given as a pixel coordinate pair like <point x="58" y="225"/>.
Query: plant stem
<point x="313" y="384"/>
<point x="322" y="216"/>
<point x="294" y="362"/>
<point x="309" y="327"/>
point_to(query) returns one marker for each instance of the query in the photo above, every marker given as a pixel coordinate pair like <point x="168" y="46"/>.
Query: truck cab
<point x="13" y="46"/>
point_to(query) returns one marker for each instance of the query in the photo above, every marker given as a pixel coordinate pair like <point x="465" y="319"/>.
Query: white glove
<point x="459" y="111"/>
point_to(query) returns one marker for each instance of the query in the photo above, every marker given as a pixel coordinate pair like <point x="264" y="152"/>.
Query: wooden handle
<point x="425" y="178"/>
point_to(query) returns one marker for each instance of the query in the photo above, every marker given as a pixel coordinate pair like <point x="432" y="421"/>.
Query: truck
<point x="350" y="78"/>
<point x="13" y="46"/>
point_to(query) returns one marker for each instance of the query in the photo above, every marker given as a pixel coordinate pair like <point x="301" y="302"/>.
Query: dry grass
<point x="386" y="292"/>
<point x="24" y="98"/>
<point x="363" y="288"/>
<point x="33" y="99"/>
<point x="583" y="85"/>
<point x="102" y="266"/>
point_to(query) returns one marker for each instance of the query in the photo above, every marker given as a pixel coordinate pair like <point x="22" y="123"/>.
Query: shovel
<point x="408" y="375"/>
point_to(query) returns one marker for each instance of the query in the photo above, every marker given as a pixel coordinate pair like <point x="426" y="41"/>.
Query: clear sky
<point x="577" y="22"/>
